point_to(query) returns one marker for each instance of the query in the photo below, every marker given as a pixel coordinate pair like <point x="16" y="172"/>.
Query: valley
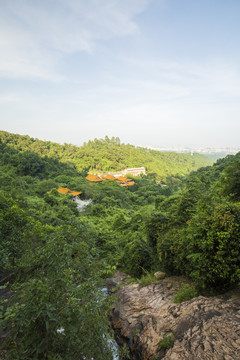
<point x="57" y="254"/>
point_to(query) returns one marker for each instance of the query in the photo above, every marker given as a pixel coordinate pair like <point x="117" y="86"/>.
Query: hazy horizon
<point x="152" y="72"/>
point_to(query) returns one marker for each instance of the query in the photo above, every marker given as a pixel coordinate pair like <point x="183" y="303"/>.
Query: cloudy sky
<point x="153" y="72"/>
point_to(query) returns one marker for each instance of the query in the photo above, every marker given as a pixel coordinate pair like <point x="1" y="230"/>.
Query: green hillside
<point x="54" y="258"/>
<point x="106" y="155"/>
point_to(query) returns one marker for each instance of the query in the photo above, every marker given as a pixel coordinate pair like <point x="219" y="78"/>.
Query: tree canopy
<point x="105" y="155"/>
<point x="54" y="258"/>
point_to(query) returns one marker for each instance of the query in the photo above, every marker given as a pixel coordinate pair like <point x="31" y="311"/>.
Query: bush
<point x="137" y="255"/>
<point x="166" y="342"/>
<point x="57" y="312"/>
<point x="147" y="279"/>
<point x="184" y="294"/>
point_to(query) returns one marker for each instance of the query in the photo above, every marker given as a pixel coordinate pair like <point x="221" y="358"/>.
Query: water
<point x="111" y="342"/>
<point x="81" y="204"/>
<point x="114" y="348"/>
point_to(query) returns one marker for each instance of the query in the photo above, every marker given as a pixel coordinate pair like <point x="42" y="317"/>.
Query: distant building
<point x="135" y="171"/>
<point x="132" y="171"/>
<point x="117" y="177"/>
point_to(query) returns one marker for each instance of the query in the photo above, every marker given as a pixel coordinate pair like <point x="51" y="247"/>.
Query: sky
<point x="152" y="72"/>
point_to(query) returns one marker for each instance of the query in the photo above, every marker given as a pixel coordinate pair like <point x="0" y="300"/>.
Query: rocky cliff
<point x="202" y="328"/>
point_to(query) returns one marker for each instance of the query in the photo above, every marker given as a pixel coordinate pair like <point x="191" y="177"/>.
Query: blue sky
<point x="153" y="72"/>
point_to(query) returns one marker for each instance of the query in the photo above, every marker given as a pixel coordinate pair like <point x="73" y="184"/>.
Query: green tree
<point x="59" y="312"/>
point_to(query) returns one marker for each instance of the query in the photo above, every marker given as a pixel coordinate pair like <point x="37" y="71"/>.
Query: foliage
<point x="200" y="238"/>
<point x="230" y="180"/>
<point x="58" y="256"/>
<point x="166" y="342"/>
<point x="51" y="253"/>
<point x="147" y="279"/>
<point x="187" y="292"/>
<point x="54" y="316"/>
<point x="125" y="353"/>
<point x="13" y="223"/>
<point x="48" y="298"/>
<point x="104" y="155"/>
<point x="138" y="255"/>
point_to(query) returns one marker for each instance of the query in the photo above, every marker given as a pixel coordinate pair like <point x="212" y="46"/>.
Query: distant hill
<point x="104" y="155"/>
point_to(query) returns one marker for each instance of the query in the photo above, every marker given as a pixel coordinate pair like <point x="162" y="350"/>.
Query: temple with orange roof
<point x="94" y="178"/>
<point x="108" y="177"/>
<point x="121" y="180"/>
<point x="66" y="191"/>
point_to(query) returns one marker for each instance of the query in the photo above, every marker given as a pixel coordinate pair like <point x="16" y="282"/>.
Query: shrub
<point x="147" y="279"/>
<point x="138" y="255"/>
<point x="56" y="314"/>
<point x="184" y="294"/>
<point x="166" y="342"/>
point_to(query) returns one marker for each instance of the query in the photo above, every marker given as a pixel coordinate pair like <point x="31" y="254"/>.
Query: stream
<point x="111" y="342"/>
<point x="81" y="204"/>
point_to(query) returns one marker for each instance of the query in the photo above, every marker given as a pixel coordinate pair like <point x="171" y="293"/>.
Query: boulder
<point x="201" y="328"/>
<point x="159" y="275"/>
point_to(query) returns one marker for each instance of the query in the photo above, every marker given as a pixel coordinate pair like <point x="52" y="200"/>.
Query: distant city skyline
<point x="160" y="73"/>
<point x="200" y="150"/>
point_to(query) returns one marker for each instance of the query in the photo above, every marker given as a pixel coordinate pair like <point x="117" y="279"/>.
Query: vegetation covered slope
<point x="191" y="229"/>
<point x="49" y="264"/>
<point x="55" y="257"/>
<point x="109" y="155"/>
<point x="196" y="231"/>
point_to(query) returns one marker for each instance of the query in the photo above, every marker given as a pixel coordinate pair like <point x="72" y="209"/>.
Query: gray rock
<point x="203" y="328"/>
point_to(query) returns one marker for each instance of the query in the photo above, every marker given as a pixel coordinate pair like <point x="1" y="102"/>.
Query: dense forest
<point x="54" y="258"/>
<point x="104" y="155"/>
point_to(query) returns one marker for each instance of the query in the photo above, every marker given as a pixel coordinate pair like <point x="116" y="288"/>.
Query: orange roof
<point x="67" y="191"/>
<point x="63" y="190"/>
<point x="76" y="193"/>
<point x="126" y="183"/>
<point x="130" y="183"/>
<point x="94" y="178"/>
<point x="91" y="177"/>
<point x="108" y="177"/>
<point x="123" y="179"/>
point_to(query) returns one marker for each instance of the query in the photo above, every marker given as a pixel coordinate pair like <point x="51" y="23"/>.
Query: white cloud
<point x="9" y="98"/>
<point x="35" y="35"/>
<point x="21" y="57"/>
<point x="210" y="79"/>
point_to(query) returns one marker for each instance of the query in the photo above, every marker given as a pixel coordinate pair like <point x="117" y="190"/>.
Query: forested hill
<point x="104" y="155"/>
<point x="54" y="258"/>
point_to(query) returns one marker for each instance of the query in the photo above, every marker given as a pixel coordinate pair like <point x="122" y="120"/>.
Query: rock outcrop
<point x="201" y="329"/>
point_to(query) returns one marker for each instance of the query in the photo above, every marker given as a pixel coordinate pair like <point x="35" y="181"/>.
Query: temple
<point x="121" y="180"/>
<point x="66" y="191"/>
